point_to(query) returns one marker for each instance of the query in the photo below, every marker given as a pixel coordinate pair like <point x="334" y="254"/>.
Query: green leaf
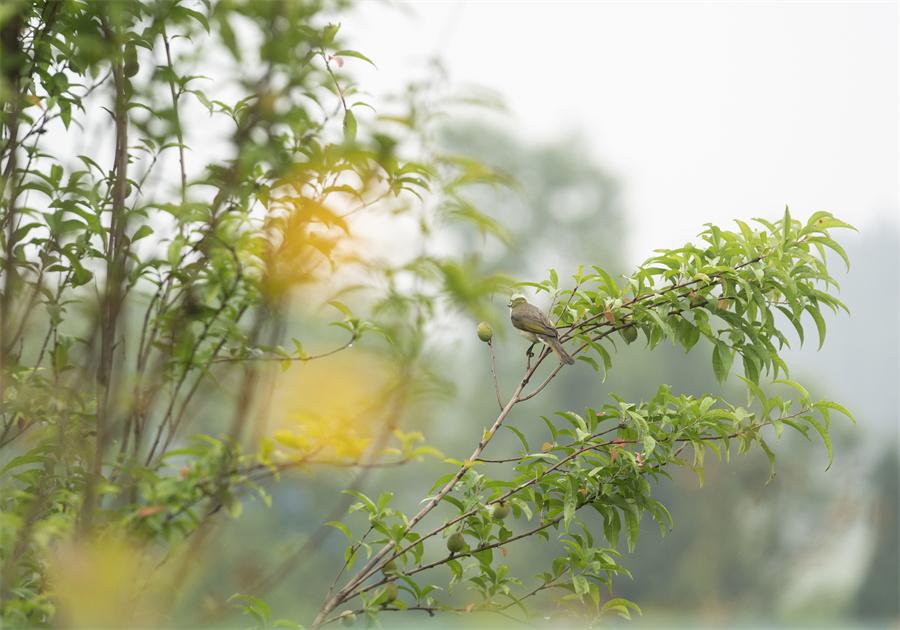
<point x="581" y="585"/>
<point x="355" y="54"/>
<point x="823" y="433"/>
<point x="349" y="126"/>
<point x="23" y="460"/>
<point x="519" y="435"/>
<point x="570" y="502"/>
<point x="621" y="606"/>
<point x="253" y="606"/>
<point x="837" y="407"/>
<point x="820" y="323"/>
<point x="369" y="504"/>
<point x="721" y="359"/>
<point x="771" y="456"/>
<point x="632" y="528"/>
<point x="342" y="528"/>
<point x="141" y="232"/>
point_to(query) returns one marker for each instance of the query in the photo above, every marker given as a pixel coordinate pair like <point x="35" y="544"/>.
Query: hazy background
<point x="703" y="111"/>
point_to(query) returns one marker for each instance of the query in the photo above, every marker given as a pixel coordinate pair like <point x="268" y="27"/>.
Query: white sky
<point x="705" y="111"/>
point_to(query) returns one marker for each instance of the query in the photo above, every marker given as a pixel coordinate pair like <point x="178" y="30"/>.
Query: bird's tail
<point x="564" y="356"/>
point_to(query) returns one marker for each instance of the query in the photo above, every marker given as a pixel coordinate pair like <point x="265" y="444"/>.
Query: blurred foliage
<point x="156" y="272"/>
<point x="557" y="184"/>
<point x="152" y="265"/>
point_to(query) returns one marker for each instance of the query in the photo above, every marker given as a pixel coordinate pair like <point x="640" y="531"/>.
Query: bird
<point x="533" y="324"/>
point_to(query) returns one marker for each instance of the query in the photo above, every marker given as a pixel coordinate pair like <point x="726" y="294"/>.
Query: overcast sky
<point x="705" y="111"/>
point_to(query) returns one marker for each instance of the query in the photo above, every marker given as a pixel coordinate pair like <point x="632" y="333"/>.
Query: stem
<point x="178" y="132"/>
<point x="490" y="345"/>
<point x="116" y="255"/>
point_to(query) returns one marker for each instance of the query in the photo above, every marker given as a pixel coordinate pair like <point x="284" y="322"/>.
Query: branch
<point x="371" y="566"/>
<point x="569" y="445"/>
<point x="432" y="610"/>
<point x="573" y="328"/>
<point x="490" y="346"/>
<point x="454" y="556"/>
<point x="302" y="359"/>
<point x="538" y="478"/>
<point x="176" y="118"/>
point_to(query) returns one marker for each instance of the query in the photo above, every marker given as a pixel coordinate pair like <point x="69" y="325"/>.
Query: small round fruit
<point x="348" y="618"/>
<point x="389" y="568"/>
<point x="629" y="334"/>
<point x="390" y="593"/>
<point x="485" y="332"/>
<point x="500" y="511"/>
<point x="456" y="542"/>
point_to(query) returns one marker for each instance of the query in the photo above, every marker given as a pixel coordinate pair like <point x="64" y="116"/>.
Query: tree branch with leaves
<point x="736" y="289"/>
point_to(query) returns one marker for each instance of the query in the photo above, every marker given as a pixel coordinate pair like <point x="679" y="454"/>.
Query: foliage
<point x="735" y="290"/>
<point x="146" y="274"/>
<point x="158" y="265"/>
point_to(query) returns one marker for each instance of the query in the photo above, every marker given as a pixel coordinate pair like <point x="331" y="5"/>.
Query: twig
<point x="175" y="116"/>
<point x="573" y="328"/>
<point x="304" y="358"/>
<point x="371" y="566"/>
<point x="490" y="345"/>
<point x="569" y="445"/>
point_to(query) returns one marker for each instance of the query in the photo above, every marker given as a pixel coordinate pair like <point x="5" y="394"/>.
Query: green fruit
<point x="390" y="568"/>
<point x="485" y="332"/>
<point x="500" y="511"/>
<point x="390" y="593"/>
<point x="456" y="542"/>
<point x="347" y="618"/>
<point x="131" y="62"/>
<point x="629" y="334"/>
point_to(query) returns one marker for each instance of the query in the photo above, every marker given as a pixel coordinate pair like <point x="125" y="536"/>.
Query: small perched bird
<point x="536" y="326"/>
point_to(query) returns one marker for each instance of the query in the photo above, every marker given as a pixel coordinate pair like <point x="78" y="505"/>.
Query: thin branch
<point x="176" y="117"/>
<point x="433" y="610"/>
<point x="569" y="445"/>
<point x="454" y="556"/>
<point x="372" y="565"/>
<point x="568" y="302"/>
<point x="490" y="346"/>
<point x="546" y="382"/>
<point x="337" y="84"/>
<point x="573" y="328"/>
<point x="302" y="359"/>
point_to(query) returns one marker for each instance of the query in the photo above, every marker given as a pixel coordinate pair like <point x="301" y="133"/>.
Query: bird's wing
<point x="532" y="319"/>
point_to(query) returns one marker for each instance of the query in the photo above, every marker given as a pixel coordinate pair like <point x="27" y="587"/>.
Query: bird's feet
<point x="530" y="352"/>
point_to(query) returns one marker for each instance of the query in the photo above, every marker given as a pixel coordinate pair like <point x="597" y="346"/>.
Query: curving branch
<point x="376" y="560"/>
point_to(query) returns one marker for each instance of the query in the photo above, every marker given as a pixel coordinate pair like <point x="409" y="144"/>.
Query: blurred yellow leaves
<point x="308" y="240"/>
<point x="106" y="583"/>
<point x="332" y="407"/>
